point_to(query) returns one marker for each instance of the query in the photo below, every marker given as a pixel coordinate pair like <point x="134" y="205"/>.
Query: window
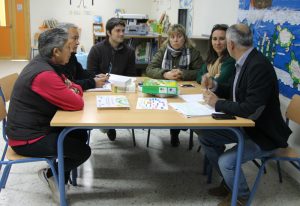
<point x="2" y="13"/>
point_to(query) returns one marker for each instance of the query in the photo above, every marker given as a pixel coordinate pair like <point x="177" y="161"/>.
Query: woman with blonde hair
<point x="177" y="59"/>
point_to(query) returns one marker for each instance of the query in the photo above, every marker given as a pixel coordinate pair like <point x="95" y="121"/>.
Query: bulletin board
<point x="276" y="33"/>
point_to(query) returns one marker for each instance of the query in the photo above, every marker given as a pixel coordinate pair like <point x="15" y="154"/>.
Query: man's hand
<point x="210" y="98"/>
<point x="100" y="80"/>
<point x="174" y="74"/>
<point x="207" y="82"/>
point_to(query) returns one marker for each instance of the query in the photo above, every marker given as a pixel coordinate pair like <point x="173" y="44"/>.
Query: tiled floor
<point x="119" y="174"/>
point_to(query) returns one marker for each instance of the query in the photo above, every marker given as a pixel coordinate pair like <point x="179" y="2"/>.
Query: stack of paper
<point x="130" y="88"/>
<point x="112" y="102"/>
<point x="192" y="97"/>
<point x="192" y="109"/>
<point x="106" y="88"/>
<point x="119" y="80"/>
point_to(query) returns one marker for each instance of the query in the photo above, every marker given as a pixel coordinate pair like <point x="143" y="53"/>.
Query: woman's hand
<point x="207" y="82"/>
<point x="174" y="74"/>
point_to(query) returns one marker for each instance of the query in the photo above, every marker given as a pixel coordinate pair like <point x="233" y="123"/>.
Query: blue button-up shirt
<point x="238" y="65"/>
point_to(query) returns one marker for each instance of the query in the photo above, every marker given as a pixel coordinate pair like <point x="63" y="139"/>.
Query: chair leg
<point x="51" y="163"/>
<point x="4" y="153"/>
<point x="199" y="148"/>
<point x="133" y="138"/>
<point x="148" y="137"/>
<point x="265" y="168"/>
<point x="5" y="175"/>
<point x="255" y="185"/>
<point x="207" y="169"/>
<point x="279" y="171"/>
<point x="89" y="136"/>
<point x="191" y="143"/>
<point x="258" y="165"/>
<point x="74" y="175"/>
<point x="205" y="165"/>
<point x="209" y="173"/>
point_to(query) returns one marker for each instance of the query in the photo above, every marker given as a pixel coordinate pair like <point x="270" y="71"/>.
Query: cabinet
<point x="201" y="43"/>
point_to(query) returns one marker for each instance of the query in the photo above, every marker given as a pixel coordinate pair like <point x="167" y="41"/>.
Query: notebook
<point x="192" y="109"/>
<point x="112" y="102"/>
<point x="106" y="88"/>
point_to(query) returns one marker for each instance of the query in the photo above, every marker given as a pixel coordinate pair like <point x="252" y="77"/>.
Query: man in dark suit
<point x="252" y="94"/>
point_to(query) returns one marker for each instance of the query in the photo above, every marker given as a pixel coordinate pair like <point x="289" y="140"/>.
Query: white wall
<point x="205" y="13"/>
<point x="83" y="17"/>
<point x="209" y="13"/>
<point x="203" y="17"/>
<point x="169" y="6"/>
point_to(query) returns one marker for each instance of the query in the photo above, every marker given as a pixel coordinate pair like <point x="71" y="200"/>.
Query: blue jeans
<point x="213" y="143"/>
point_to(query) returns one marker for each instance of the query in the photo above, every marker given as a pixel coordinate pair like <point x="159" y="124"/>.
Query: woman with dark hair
<point x="218" y="64"/>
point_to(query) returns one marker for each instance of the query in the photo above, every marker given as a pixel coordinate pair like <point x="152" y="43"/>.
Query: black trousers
<point x="76" y="151"/>
<point x="175" y="132"/>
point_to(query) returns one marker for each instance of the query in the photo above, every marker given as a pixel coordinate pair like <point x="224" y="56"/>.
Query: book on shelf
<point x="142" y="53"/>
<point x="112" y="102"/>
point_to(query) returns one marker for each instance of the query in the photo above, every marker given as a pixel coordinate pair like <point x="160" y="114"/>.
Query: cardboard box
<point x="160" y="86"/>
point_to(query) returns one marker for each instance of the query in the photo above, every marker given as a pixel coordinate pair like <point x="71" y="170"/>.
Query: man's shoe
<point x="111" y="134"/>
<point x="227" y="201"/>
<point x="50" y="182"/>
<point x="220" y="191"/>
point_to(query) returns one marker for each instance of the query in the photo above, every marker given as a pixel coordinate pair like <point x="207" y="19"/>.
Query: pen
<point x="109" y="69"/>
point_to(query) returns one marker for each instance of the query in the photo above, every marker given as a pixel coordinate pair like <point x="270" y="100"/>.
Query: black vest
<point x="29" y="115"/>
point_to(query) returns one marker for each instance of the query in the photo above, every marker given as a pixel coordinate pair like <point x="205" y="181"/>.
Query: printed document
<point x="192" y="109"/>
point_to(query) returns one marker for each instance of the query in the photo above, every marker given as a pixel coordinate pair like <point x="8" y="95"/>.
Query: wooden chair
<point x="283" y="154"/>
<point x="6" y="86"/>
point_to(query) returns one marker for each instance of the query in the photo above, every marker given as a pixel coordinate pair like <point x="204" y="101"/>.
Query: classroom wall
<point x="205" y="13"/>
<point x="83" y="17"/>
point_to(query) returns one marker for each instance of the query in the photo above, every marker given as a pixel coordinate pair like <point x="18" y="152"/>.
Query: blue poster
<point x="269" y="4"/>
<point x="276" y="33"/>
